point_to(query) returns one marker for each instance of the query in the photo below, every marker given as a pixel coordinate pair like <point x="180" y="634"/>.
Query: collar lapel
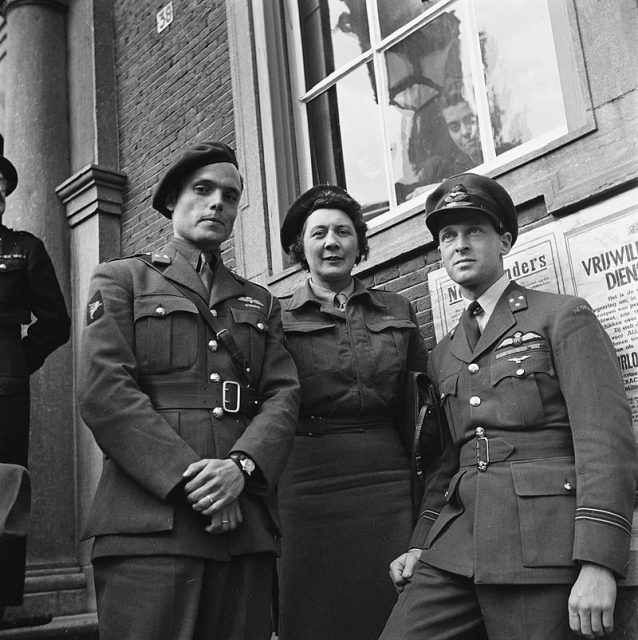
<point x="181" y="271"/>
<point x="500" y="321"/>
<point x="224" y="285"/>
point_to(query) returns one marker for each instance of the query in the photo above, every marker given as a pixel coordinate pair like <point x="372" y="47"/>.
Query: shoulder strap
<point x="221" y="332"/>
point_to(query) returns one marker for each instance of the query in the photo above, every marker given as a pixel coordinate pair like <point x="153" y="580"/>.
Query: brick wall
<point x="173" y="88"/>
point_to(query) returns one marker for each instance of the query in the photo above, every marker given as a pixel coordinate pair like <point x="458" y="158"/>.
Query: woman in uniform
<point x="345" y="495"/>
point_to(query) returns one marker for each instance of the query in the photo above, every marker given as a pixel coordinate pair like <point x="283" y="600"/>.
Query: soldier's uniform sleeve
<point x="51" y="328"/>
<point x="440" y="463"/>
<point x="269" y="436"/>
<point x="604" y="445"/>
<point x="116" y="410"/>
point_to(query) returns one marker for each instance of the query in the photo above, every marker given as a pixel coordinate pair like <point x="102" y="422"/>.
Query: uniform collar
<point x="489" y="299"/>
<point x="304" y="294"/>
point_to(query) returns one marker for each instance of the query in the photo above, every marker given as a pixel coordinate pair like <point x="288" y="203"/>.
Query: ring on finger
<point x="225" y="521"/>
<point x="210" y="500"/>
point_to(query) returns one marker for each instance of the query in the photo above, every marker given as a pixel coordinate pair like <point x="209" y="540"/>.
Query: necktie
<point x="470" y="324"/>
<point x="340" y="301"/>
<point x="205" y="270"/>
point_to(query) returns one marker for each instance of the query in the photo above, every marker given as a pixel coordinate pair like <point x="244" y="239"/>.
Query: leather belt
<point x="10" y="331"/>
<point x="484" y="450"/>
<point x="228" y="395"/>
<point x="317" y="426"/>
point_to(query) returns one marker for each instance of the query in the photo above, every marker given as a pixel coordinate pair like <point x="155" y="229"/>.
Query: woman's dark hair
<point x="328" y="197"/>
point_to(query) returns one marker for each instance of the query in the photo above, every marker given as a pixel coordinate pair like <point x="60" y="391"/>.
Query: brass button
<point x="218" y="413"/>
<point x="213" y="313"/>
<point x="3" y="266"/>
<point x="160" y="311"/>
<point x="212" y="345"/>
<point x="520" y="372"/>
<point x="475" y="401"/>
<point x="568" y="485"/>
<point x="479" y="432"/>
<point x="473" y="368"/>
<point x="261" y="326"/>
<point x="215" y="377"/>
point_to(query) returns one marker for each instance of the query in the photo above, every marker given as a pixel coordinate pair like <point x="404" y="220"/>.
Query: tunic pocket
<point x="546" y="497"/>
<point x="165" y="333"/>
<point x="250" y="332"/>
<point x="313" y="346"/>
<point x="389" y="342"/>
<point x="516" y="379"/>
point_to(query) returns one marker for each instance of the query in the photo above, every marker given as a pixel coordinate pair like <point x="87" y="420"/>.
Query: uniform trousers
<point x="14" y="445"/>
<point x="184" y="598"/>
<point x="437" y="605"/>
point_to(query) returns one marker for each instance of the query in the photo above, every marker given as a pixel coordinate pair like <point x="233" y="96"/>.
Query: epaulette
<point x="157" y="259"/>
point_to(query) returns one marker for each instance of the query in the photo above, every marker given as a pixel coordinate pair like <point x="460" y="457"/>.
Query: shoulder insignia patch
<point x="582" y="307"/>
<point x="94" y="308"/>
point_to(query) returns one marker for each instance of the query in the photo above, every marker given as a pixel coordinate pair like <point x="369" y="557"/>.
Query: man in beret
<point x="535" y="526"/>
<point x="28" y="287"/>
<point x="190" y="394"/>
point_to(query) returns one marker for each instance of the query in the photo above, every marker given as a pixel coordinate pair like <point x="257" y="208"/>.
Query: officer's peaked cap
<point x="471" y="192"/>
<point x="9" y="173"/>
<point x="195" y="156"/>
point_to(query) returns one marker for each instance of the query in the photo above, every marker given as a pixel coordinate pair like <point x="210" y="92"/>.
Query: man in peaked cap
<point x="28" y="287"/>
<point x="535" y="526"/>
<point x="193" y="399"/>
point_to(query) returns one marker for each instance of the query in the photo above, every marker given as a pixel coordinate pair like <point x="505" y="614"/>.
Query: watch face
<point x="248" y="465"/>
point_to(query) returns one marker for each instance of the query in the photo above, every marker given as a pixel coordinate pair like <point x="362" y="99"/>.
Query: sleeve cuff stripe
<point x="626" y="529"/>
<point x="611" y="515"/>
<point x="429" y="514"/>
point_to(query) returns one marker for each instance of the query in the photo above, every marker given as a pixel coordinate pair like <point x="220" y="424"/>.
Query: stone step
<point x="77" y="627"/>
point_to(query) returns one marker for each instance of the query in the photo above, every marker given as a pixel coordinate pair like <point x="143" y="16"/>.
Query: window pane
<point x="433" y="125"/>
<point x="346" y="143"/>
<point x="396" y="13"/>
<point x="521" y="73"/>
<point x="333" y="32"/>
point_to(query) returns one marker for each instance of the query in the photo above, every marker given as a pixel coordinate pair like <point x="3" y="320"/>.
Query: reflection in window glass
<point x="394" y="14"/>
<point x="347" y="142"/>
<point x="434" y="127"/>
<point x="521" y="72"/>
<point x="333" y="32"/>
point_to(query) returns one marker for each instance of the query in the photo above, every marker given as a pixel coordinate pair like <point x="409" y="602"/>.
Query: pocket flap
<point x="381" y="324"/>
<point x="307" y="326"/>
<point x="522" y="365"/>
<point x="161" y="306"/>
<point x="552" y="477"/>
<point x="12" y="263"/>
<point x="253" y="318"/>
<point x="447" y="386"/>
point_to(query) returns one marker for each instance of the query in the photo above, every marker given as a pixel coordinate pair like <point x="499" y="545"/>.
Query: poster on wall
<point x="592" y="254"/>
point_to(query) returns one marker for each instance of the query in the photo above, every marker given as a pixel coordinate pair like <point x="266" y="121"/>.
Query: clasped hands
<point x="212" y="489"/>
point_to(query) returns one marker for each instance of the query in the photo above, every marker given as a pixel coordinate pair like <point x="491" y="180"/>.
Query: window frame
<point x="279" y="77"/>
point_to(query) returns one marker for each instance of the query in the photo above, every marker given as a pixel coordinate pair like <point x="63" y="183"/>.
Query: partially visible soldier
<point x="28" y="287"/>
<point x="535" y="526"/>
<point x="191" y="395"/>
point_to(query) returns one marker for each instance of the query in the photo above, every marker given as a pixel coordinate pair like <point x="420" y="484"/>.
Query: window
<point x="395" y="95"/>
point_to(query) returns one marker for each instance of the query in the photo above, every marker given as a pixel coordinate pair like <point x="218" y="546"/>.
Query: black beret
<point x="316" y="197"/>
<point x="9" y="173"/>
<point x="471" y="192"/>
<point x="195" y="156"/>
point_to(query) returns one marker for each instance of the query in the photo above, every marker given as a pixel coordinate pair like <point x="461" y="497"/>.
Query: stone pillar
<point x="36" y="141"/>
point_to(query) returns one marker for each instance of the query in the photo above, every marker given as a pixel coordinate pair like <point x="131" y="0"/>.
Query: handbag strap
<point x="222" y="333"/>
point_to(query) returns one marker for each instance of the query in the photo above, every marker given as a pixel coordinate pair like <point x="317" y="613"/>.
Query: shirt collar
<point x="327" y="296"/>
<point x="305" y="293"/>
<point x="191" y="252"/>
<point x="489" y="299"/>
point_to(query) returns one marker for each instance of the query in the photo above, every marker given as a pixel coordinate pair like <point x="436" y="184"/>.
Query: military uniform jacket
<point x="144" y="339"/>
<point x="543" y="383"/>
<point x="28" y="285"/>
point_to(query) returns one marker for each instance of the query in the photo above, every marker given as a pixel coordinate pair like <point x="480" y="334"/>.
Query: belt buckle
<point x="482" y="450"/>
<point x="225" y="402"/>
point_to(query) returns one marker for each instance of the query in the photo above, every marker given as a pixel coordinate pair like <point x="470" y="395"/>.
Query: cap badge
<point x="458" y="194"/>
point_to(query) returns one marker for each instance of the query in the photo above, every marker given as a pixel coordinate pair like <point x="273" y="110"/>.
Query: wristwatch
<point x="246" y="465"/>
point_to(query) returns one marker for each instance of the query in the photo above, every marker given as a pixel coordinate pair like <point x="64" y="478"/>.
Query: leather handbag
<point x="421" y="422"/>
<point x="15" y="501"/>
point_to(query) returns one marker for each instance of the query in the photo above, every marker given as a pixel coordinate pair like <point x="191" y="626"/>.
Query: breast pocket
<point x="389" y="340"/>
<point x="517" y="382"/>
<point x="313" y="346"/>
<point x="546" y="498"/>
<point x="165" y="333"/>
<point x="250" y="332"/>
